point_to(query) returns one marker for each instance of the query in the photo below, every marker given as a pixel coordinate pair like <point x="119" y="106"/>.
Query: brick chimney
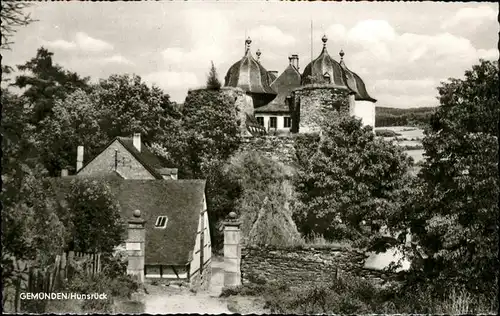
<point x="137" y="141"/>
<point x="294" y="60"/>
<point x="79" y="158"/>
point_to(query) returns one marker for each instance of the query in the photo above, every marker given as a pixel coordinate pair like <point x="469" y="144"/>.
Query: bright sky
<point x="402" y="50"/>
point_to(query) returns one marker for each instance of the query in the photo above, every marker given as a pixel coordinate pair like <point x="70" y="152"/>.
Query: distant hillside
<point x="401" y="117"/>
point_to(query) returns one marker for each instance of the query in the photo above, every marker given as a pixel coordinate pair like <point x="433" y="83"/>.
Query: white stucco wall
<point x="280" y="118"/>
<point x="207" y="254"/>
<point x="365" y="110"/>
<point x="204" y="229"/>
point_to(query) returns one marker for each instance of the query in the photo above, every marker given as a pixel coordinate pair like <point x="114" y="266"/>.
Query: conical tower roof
<point x="355" y="82"/>
<point x="249" y="75"/>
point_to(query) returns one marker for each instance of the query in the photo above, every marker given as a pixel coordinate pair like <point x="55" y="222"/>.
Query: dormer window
<point x="326" y="76"/>
<point x="161" y="222"/>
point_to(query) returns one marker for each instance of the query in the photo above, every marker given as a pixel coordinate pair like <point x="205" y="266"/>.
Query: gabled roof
<point x="145" y="157"/>
<point x="181" y="201"/>
<point x="288" y="80"/>
<point x="273" y="108"/>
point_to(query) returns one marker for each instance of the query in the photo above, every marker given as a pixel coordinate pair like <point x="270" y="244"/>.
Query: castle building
<point x="293" y="102"/>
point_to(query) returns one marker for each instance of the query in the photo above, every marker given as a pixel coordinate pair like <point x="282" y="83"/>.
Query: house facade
<point x="128" y="157"/>
<point x="177" y="234"/>
<point x="276" y="103"/>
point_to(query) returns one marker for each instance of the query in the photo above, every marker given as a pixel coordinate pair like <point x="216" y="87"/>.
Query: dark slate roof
<point x="286" y="82"/>
<point x="249" y="75"/>
<point x="181" y="201"/>
<point x="322" y="65"/>
<point x="273" y="108"/>
<point x="356" y="84"/>
<point x="146" y="157"/>
<point x="272" y="77"/>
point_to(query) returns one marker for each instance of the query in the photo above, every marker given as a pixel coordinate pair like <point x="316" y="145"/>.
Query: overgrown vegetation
<point x="112" y="281"/>
<point x="213" y="82"/>
<point x="348" y="179"/>
<point x="453" y="213"/>
<point x="264" y="204"/>
<point x="95" y="214"/>
<point x="386" y="133"/>
<point x="349" y="184"/>
<point x="207" y="137"/>
<point x="351" y="295"/>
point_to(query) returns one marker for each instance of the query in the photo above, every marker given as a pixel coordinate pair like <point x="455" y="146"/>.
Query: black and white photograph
<point x="250" y="157"/>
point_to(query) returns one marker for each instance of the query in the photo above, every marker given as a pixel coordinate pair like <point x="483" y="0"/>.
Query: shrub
<point x="386" y="133"/>
<point x="96" y="216"/>
<point x="350" y="177"/>
<point x="265" y="201"/>
<point x="119" y="287"/>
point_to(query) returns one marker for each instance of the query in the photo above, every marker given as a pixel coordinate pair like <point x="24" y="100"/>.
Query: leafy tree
<point x="127" y="105"/>
<point x="265" y="201"/>
<point x="210" y="130"/>
<point x="75" y="121"/>
<point x="454" y="215"/>
<point x="31" y="226"/>
<point x="95" y="215"/>
<point x="209" y="134"/>
<point x="13" y="17"/>
<point x="213" y="80"/>
<point x="349" y="177"/>
<point x="45" y="83"/>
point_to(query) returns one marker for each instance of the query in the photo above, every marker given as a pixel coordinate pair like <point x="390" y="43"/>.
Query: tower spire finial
<point x="258" y="53"/>
<point x="248" y="41"/>
<point x="324" y="39"/>
<point x="341" y="53"/>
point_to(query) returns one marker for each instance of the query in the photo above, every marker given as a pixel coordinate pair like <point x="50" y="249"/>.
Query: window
<point x="273" y="122"/>
<point x="152" y="271"/>
<point x="326" y="76"/>
<point x="161" y="222"/>
<point x="260" y="120"/>
<point x="288" y="122"/>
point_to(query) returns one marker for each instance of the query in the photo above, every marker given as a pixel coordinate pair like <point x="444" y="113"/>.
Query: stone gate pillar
<point x="136" y="245"/>
<point x="232" y="251"/>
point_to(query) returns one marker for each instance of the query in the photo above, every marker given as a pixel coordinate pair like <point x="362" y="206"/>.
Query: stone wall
<point x="280" y="148"/>
<point x="309" y="104"/>
<point x="305" y="266"/>
<point x="243" y="104"/>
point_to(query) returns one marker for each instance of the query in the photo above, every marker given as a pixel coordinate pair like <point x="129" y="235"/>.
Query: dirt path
<point x="185" y="303"/>
<point x="169" y="300"/>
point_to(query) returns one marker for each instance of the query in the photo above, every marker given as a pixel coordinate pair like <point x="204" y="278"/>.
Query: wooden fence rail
<point x="64" y="268"/>
<point x="51" y="279"/>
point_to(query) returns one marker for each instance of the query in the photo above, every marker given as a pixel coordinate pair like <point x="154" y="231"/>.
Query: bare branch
<point x="12" y="17"/>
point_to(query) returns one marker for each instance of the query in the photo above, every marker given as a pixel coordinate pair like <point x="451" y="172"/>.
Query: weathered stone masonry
<point x="305" y="266"/>
<point x="309" y="103"/>
<point x="280" y="148"/>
